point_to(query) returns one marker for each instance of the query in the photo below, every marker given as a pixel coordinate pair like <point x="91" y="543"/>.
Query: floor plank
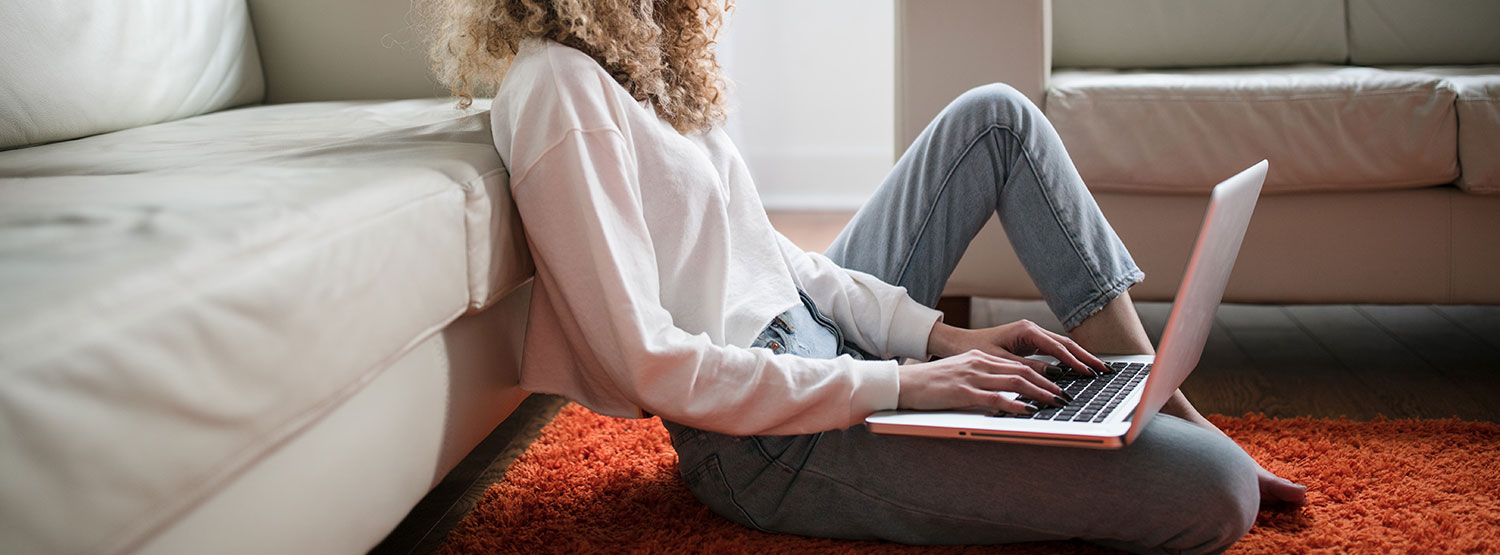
<point x="1483" y="322"/>
<point x="1450" y="349"/>
<point x="1305" y="379"/>
<point x="1407" y="385"/>
<point x="1226" y="380"/>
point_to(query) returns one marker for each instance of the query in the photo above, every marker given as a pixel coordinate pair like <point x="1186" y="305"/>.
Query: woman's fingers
<point x="1019" y="384"/>
<point x="1022" y="366"/>
<point x="1002" y="374"/>
<point x="1037" y="379"/>
<point x="1028" y="369"/>
<point x="1034" y="364"/>
<point x="1025" y="336"/>
<point x="976" y="379"/>
<point x="1079" y="352"/>
<point x="1056" y="349"/>
<point x="996" y="401"/>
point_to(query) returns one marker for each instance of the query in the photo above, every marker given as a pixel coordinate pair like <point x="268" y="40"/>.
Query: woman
<point x="662" y="289"/>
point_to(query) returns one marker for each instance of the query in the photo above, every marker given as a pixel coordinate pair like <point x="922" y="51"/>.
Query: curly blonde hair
<point x="660" y="50"/>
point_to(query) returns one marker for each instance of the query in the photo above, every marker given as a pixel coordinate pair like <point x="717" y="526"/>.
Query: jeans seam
<point x="1067" y="231"/>
<point x="724" y="481"/>
<point x="775" y="461"/>
<point x="911" y="249"/>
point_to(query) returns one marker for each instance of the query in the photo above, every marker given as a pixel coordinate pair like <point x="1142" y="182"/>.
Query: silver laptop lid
<point x="1224" y="224"/>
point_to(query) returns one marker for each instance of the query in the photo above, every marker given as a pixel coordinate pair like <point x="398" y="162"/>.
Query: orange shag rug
<point x="593" y="483"/>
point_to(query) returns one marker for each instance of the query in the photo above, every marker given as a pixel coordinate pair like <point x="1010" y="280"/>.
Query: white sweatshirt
<point x="657" y="267"/>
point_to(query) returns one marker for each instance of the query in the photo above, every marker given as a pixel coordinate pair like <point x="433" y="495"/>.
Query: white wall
<point x="812" y="101"/>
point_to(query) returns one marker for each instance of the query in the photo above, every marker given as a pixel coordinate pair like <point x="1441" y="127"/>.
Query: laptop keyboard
<point x="1093" y="397"/>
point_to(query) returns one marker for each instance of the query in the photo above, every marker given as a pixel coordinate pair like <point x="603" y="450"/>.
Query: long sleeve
<point x="581" y="207"/>
<point x="876" y="315"/>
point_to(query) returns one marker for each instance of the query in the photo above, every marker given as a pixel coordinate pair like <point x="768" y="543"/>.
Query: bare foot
<point x="1275" y="490"/>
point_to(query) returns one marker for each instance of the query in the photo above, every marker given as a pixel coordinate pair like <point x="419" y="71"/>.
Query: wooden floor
<point x="1355" y="361"/>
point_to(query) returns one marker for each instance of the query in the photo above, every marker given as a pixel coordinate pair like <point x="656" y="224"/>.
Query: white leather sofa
<point x="240" y="311"/>
<point x="1381" y="120"/>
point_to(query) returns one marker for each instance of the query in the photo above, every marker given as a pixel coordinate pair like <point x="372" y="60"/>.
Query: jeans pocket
<point x="788" y="453"/>
<point x="773" y="447"/>
<point x="708" y="484"/>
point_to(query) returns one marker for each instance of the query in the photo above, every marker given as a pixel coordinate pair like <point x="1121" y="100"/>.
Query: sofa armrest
<point x="945" y="48"/>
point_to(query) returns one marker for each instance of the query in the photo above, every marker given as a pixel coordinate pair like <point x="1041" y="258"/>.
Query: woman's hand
<point x="975" y="379"/>
<point x="1014" y="342"/>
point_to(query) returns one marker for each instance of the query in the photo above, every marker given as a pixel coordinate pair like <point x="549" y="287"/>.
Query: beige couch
<point x="239" y="311"/>
<point x="1381" y="119"/>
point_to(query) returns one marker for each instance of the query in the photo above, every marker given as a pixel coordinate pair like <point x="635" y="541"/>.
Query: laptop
<point x="1109" y="411"/>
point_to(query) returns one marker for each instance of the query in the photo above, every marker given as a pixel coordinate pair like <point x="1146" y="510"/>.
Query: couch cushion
<point x="427" y="133"/>
<point x="1323" y="128"/>
<point x="1186" y="33"/>
<point x="80" y="67"/>
<point x="1388" y="32"/>
<point x="1478" y="109"/>
<point x="181" y="298"/>
<point x="1432" y="245"/>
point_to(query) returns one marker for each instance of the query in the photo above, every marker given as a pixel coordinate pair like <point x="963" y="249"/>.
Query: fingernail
<point x="1068" y="396"/>
<point x="1031" y="409"/>
<point x="1054" y="371"/>
<point x="1059" y="400"/>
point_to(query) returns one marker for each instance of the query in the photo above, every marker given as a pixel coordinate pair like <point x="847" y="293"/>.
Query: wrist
<point x="945" y="340"/>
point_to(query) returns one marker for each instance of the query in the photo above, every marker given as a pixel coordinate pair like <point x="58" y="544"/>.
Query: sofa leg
<point x="956" y="310"/>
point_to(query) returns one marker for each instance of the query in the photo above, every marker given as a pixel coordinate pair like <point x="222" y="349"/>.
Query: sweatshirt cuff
<point x="879" y="388"/>
<point x="910" y="329"/>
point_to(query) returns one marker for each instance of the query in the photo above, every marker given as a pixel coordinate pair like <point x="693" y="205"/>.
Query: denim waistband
<point x="805" y="332"/>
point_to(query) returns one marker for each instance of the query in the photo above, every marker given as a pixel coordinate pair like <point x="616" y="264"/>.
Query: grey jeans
<point x="1177" y="488"/>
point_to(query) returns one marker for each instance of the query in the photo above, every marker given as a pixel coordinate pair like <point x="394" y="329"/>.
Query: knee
<point x="995" y="101"/>
<point x="1223" y="498"/>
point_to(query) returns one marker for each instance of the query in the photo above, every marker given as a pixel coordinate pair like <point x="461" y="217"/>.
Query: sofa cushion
<point x="1323" y="128"/>
<point x="1388" y="32"/>
<point x="81" y="67"/>
<point x="426" y="133"/>
<point x="181" y="298"/>
<point x="1432" y="245"/>
<point x="1186" y="33"/>
<point x="1478" y="109"/>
